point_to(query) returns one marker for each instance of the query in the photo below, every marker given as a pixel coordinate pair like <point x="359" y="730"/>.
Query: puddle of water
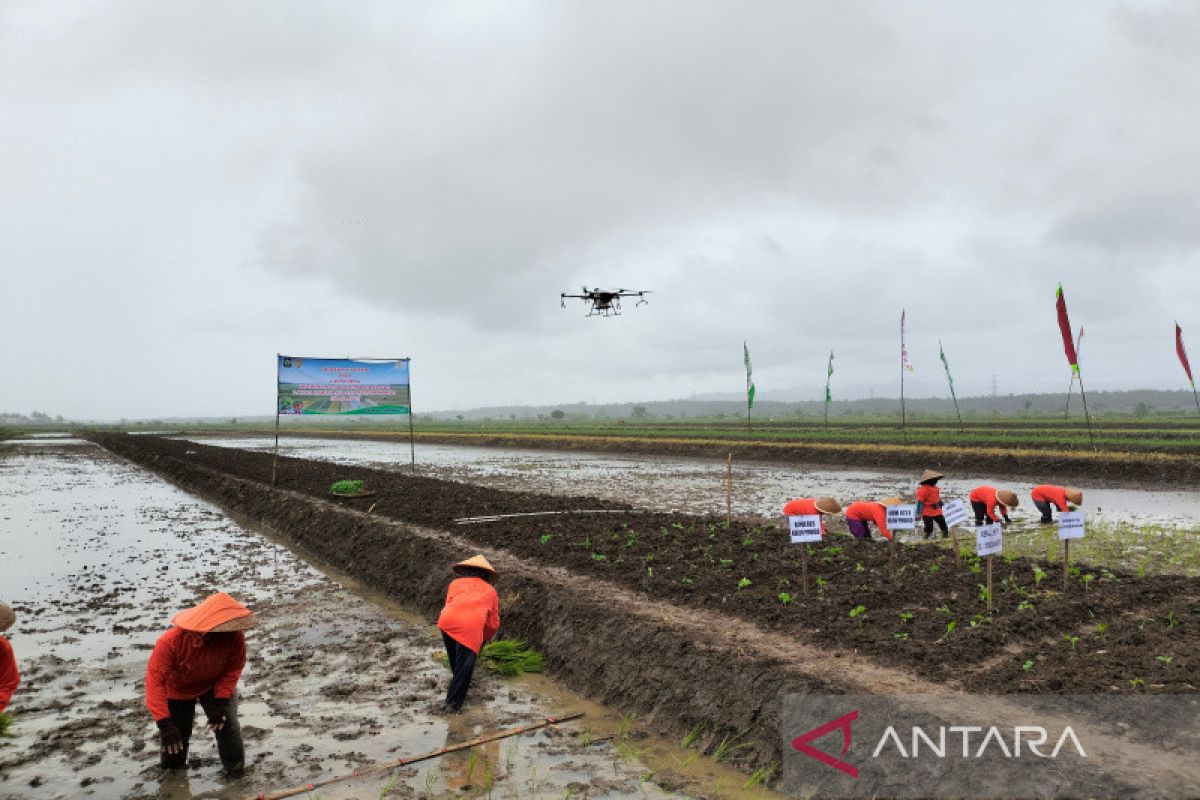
<point x="697" y="485"/>
<point x="98" y="555"/>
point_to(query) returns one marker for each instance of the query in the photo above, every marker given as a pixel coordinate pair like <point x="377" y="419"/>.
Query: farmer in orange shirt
<point x="10" y="676"/>
<point x="808" y="507"/>
<point x="470" y="617"/>
<point x="1061" y="497"/>
<point x="929" y="498"/>
<point x="987" y="500"/>
<point x="859" y="516"/>
<point x="200" y="658"/>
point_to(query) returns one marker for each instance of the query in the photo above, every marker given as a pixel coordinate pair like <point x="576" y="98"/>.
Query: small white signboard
<point x="902" y="517"/>
<point x="989" y="539"/>
<point x="955" y="513"/>
<point x="1070" y="525"/>
<point x="805" y="528"/>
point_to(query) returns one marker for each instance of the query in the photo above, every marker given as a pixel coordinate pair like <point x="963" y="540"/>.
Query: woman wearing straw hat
<point x="859" y="516"/>
<point x="470" y="617"/>
<point x="987" y="500"/>
<point x="10" y="676"/>
<point x="809" y="507"/>
<point x="200" y="659"/>
<point x="929" y="499"/>
<point x="1063" y="498"/>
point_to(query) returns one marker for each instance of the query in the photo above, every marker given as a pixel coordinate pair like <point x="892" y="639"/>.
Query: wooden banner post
<point x="989" y="582"/>
<point x="729" y="490"/>
<point x="804" y="569"/>
<point x="1066" y="562"/>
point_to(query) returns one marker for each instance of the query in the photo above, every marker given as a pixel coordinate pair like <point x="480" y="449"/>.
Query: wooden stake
<point x="957" y="552"/>
<point x="729" y="490"/>
<point x="1066" y="561"/>
<point x="804" y="569"/>
<point x="892" y="555"/>
<point x="989" y="583"/>
<point x="400" y="762"/>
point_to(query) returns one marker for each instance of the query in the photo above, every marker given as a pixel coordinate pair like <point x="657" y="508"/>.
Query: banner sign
<point x="1070" y="525"/>
<point x="342" y="386"/>
<point x="989" y="539"/>
<point x="955" y="513"/>
<point x="902" y="517"/>
<point x="805" y="528"/>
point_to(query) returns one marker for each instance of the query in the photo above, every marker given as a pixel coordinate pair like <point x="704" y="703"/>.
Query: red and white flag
<point x="903" y="347"/>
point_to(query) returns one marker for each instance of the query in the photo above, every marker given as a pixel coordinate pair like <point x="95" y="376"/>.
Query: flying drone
<point x="605" y="303"/>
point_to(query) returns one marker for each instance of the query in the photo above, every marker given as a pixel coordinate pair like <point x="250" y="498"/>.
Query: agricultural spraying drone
<point x="605" y="303"/>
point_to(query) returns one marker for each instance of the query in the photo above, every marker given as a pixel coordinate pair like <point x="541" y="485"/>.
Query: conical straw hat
<point x="827" y="505"/>
<point x="1007" y="498"/>
<point x="7" y="617"/>
<point x="219" y="613"/>
<point x="1074" y="496"/>
<point x="929" y="475"/>
<point x="477" y="561"/>
<point x="891" y="501"/>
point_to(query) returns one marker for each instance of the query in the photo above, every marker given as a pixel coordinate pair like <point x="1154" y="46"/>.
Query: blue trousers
<point x="462" y="662"/>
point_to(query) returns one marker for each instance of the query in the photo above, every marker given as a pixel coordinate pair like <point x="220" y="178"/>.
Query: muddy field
<point x="693" y="485"/>
<point x="1110" y="632"/>
<point x="99" y="554"/>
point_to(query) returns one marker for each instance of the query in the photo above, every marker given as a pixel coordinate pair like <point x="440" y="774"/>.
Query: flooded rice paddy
<point x="98" y="555"/>
<point x="697" y="485"/>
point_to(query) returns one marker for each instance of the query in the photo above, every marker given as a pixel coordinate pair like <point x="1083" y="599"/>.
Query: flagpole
<point x="1086" y="416"/>
<point x="412" y="446"/>
<point x="950" y="380"/>
<point x="903" y="425"/>
<point x="828" y="376"/>
<point x="275" y="457"/>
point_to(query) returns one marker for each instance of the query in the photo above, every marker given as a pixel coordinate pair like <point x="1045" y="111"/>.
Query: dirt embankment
<point x="683" y="618"/>
<point x="1122" y="468"/>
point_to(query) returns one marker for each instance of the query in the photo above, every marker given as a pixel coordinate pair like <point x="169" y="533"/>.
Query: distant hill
<point x="1134" y="403"/>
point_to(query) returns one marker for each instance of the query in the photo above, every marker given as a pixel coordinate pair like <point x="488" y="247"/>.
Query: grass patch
<point x="6" y="722"/>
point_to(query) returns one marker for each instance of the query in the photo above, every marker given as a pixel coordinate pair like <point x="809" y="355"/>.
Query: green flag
<point x="749" y="380"/>
<point x="828" y="375"/>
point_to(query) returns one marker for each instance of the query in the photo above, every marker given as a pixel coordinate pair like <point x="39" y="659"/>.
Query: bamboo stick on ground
<point x="401" y="762"/>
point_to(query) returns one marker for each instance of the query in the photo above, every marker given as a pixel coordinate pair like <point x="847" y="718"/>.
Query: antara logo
<point x="1033" y="737"/>
<point x="843" y="723"/>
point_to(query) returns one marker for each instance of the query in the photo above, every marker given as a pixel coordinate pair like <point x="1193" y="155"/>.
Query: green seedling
<point x="1028" y="665"/>
<point x="726" y="562"/>
<point x="933" y="568"/>
<point x="821" y="584"/>
<point x="686" y="581"/>
<point x="906" y="617"/>
<point x="1172" y="620"/>
<point x="950" y="626"/>
<point x="748" y="541"/>
<point x="743" y="583"/>
<point x="1101" y="629"/>
<point x="1071" y="640"/>
<point x="626" y="726"/>
<point x="511" y="657"/>
<point x="943" y="608"/>
<point x="649" y="572"/>
<point x="1164" y="659"/>
<point x="858" y="567"/>
<point x="901" y="635"/>
<point x="1039" y="575"/>
<point x="599" y="557"/>
<point x="759" y="776"/>
<point x="728" y="746"/>
<point x="857" y="613"/>
<point x="690" y="738"/>
<point x="833" y="551"/>
<point x="545" y="538"/>
<point x="1136" y="682"/>
<point x="1087" y="581"/>
<point x="985" y="596"/>
<point x="976" y="566"/>
<point x="1025" y="605"/>
<point x="785" y="598"/>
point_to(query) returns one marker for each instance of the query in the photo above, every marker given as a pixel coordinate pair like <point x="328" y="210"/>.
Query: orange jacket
<point x="185" y="665"/>
<point x="471" y="615"/>
<point x="10" y="676"/>
<point x="1051" y="494"/>
<point x="804" y="507"/>
<point x="931" y="499"/>
<point x="870" y="511"/>
<point x="987" y="496"/>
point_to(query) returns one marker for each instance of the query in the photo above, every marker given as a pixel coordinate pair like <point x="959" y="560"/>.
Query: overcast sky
<point x="187" y="189"/>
